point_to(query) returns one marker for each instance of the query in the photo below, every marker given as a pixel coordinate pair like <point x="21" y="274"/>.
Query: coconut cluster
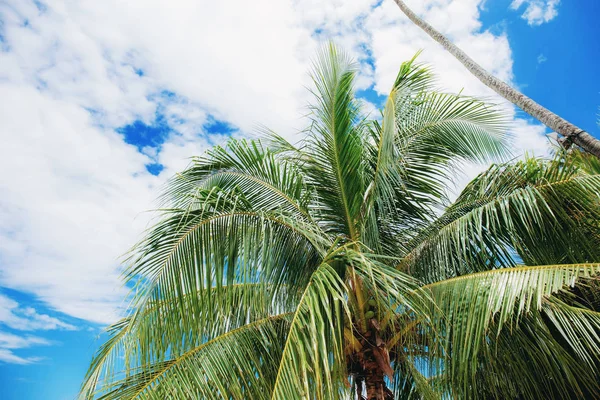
<point x="371" y="308"/>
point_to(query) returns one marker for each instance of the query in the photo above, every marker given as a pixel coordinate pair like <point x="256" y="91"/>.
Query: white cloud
<point x="72" y="192"/>
<point x="10" y="342"/>
<point x="537" y="12"/>
<point x="541" y="59"/>
<point x="8" y="356"/>
<point x="27" y="318"/>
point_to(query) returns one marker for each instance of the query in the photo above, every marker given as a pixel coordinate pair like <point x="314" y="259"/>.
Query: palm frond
<point x="221" y="240"/>
<point x="266" y="181"/>
<point x="436" y="132"/>
<point x="239" y="364"/>
<point x="537" y="210"/>
<point x="167" y="328"/>
<point x="473" y="308"/>
<point x="106" y="361"/>
<point x="381" y="194"/>
<point x="579" y="328"/>
<point x="413" y="77"/>
<point x="524" y="362"/>
<point x="312" y="363"/>
<point x="335" y="145"/>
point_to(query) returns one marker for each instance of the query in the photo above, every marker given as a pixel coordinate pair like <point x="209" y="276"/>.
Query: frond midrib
<point x="509" y="270"/>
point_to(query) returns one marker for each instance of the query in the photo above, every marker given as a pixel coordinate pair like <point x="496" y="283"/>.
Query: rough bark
<point x="376" y="364"/>
<point x="570" y="132"/>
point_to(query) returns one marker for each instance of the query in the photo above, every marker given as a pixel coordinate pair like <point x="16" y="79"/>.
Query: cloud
<point x="8" y="356"/>
<point x="537" y="12"/>
<point x="27" y="318"/>
<point x="541" y="59"/>
<point x="10" y="342"/>
<point x="69" y="206"/>
<point x="16" y="317"/>
<point x="73" y="192"/>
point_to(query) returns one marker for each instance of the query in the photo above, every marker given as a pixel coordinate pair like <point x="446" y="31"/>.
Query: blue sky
<point x="99" y="109"/>
<point x="555" y="66"/>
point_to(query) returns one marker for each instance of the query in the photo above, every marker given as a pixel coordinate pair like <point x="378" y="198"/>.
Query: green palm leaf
<point x="173" y="327"/>
<point x="525" y="208"/>
<point x="312" y="363"/>
<point x="239" y="364"/>
<point x="335" y="145"/>
<point x="474" y="308"/>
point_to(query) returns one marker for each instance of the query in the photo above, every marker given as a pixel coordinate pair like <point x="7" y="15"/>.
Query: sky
<point x="102" y="101"/>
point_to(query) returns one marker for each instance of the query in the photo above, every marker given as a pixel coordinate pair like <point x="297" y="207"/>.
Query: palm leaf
<point x="168" y="328"/>
<point x="312" y="363"/>
<point x="475" y="307"/>
<point x="239" y="364"/>
<point x="524" y="362"/>
<point x="335" y="145"/>
<point x="524" y="208"/>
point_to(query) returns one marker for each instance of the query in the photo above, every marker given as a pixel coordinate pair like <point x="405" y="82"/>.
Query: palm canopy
<point x="337" y="269"/>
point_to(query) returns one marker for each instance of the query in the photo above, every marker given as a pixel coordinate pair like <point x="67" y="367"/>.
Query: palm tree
<point x="570" y="132"/>
<point x="335" y="269"/>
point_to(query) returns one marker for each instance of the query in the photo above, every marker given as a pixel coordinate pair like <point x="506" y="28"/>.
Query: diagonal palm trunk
<point x="570" y="132"/>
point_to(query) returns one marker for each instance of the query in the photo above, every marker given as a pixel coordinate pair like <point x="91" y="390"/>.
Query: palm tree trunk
<point x="570" y="132"/>
<point x="376" y="364"/>
<point x="376" y="387"/>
